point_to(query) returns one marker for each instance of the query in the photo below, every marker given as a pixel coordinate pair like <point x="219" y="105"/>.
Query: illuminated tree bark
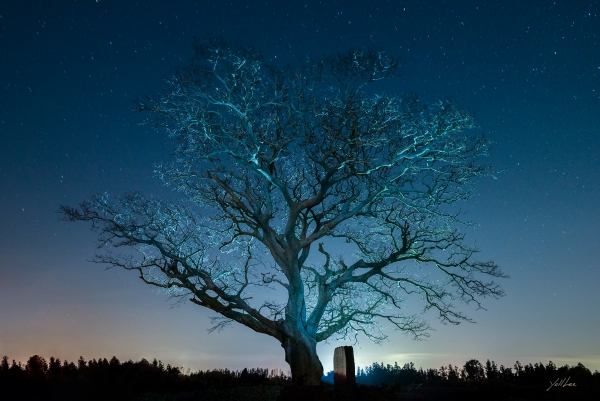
<point x="278" y="167"/>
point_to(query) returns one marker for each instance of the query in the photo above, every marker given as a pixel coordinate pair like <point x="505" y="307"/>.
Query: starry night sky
<point x="70" y="71"/>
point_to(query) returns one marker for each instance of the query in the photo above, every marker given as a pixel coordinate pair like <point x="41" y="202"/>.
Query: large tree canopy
<point x="310" y="180"/>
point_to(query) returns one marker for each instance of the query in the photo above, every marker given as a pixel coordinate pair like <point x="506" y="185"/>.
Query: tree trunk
<point x="301" y="355"/>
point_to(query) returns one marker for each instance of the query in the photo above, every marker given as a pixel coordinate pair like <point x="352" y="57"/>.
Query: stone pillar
<point x="344" y="374"/>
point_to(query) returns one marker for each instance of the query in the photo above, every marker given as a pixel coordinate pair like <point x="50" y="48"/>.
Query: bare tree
<point x="278" y="169"/>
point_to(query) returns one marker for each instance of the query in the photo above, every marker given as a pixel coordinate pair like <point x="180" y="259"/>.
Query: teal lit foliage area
<point x="483" y="381"/>
<point x="102" y="379"/>
<point x="473" y="371"/>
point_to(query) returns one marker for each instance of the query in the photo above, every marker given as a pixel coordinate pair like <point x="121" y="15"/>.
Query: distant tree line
<point x="473" y="371"/>
<point x="103" y="379"/>
<point x="485" y="381"/>
<point x="39" y="379"/>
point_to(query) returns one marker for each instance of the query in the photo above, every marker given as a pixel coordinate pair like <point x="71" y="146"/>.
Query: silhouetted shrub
<point x="473" y="371"/>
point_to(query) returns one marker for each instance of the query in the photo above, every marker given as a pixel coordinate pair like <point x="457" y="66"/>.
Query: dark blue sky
<point x="69" y="71"/>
